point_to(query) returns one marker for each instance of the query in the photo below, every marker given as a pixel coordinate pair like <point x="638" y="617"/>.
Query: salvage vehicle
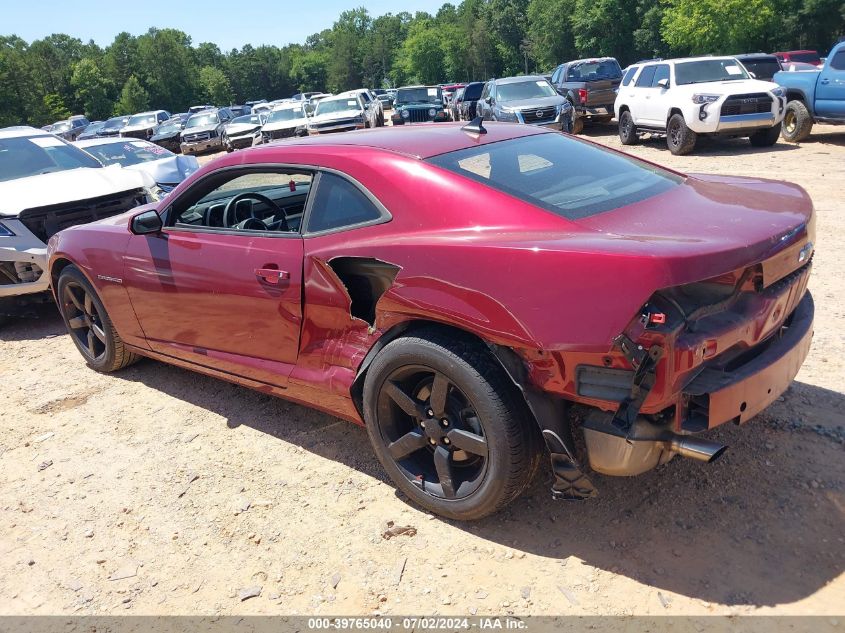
<point x="169" y="134"/>
<point x="113" y="126"/>
<point x="418" y="104"/>
<point x="203" y="131"/>
<point x="46" y="185"/>
<point x="70" y="129"/>
<point x="91" y="130"/>
<point x="469" y="99"/>
<point x="143" y="124"/>
<point x="590" y="86"/>
<point x="243" y="131"/>
<point x="285" y="121"/>
<point x="685" y="98"/>
<point x="528" y="99"/>
<point x="386" y="101"/>
<point x="390" y="309"/>
<point x="760" y="65"/>
<point x="338" y="114"/>
<point x="163" y="168"/>
<point x="372" y="106"/>
<point x="454" y="105"/>
<point x="817" y="96"/>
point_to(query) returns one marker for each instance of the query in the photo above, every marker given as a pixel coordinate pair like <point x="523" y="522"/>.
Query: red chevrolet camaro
<point x="466" y="294"/>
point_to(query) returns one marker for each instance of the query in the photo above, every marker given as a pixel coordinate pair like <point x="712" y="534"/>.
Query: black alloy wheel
<point x="84" y="321"/>
<point x="89" y="324"/>
<point x="432" y="432"/>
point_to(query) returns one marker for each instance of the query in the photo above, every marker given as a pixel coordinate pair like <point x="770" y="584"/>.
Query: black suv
<point x="762" y="65"/>
<point x="590" y="85"/>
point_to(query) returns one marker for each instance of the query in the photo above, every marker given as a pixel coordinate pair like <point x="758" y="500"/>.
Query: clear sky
<point x="227" y="23"/>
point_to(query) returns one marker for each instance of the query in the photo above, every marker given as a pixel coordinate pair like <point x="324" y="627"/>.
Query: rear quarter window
<point x="568" y="177"/>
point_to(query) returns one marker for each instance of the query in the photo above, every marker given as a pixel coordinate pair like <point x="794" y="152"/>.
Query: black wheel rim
<point x="432" y="432"/>
<point x="675" y="134"/>
<point x="789" y="122"/>
<point x="84" y="321"/>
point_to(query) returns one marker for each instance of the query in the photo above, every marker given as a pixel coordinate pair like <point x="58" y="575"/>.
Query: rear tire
<point x="766" y="137"/>
<point x="679" y="138"/>
<point x="577" y="124"/>
<point x="627" y="129"/>
<point x="89" y="324"/>
<point x="797" y="122"/>
<point x="495" y="445"/>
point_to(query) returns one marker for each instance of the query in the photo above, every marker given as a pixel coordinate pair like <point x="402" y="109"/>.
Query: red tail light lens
<point x="582" y="94"/>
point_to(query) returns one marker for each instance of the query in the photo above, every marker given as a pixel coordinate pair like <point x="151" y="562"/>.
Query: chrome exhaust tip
<point x="697" y="448"/>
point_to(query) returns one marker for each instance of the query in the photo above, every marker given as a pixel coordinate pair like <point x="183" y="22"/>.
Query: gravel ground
<point x="160" y="491"/>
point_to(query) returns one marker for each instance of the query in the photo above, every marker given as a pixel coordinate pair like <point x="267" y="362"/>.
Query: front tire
<point x="679" y="138"/>
<point x="766" y="137"/>
<point x="448" y="426"/>
<point x="89" y="324"/>
<point x="627" y="129"/>
<point x="797" y="122"/>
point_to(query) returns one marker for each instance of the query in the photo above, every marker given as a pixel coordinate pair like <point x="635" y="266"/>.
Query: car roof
<point x="419" y="141"/>
<point x="588" y="60"/>
<point x="418" y="86"/>
<point x="22" y="130"/>
<point x="687" y="59"/>
<point x="520" y="79"/>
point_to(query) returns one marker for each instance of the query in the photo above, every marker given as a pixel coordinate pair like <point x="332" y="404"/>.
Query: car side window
<point x="838" y="61"/>
<point x="245" y="200"/>
<point x="556" y="75"/>
<point x="644" y="80"/>
<point x="629" y="75"/>
<point x="485" y="92"/>
<point x="338" y="203"/>
<point x="660" y="72"/>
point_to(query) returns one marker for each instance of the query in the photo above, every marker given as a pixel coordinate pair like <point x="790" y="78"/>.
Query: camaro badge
<point x="116" y="280"/>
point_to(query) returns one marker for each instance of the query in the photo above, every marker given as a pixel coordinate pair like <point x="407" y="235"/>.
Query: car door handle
<point x="824" y="81"/>
<point x="272" y="275"/>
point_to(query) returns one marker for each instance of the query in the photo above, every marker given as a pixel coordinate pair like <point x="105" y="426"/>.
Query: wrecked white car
<point x="46" y="185"/>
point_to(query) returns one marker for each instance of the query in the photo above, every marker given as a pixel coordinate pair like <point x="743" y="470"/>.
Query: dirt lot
<point x="159" y="491"/>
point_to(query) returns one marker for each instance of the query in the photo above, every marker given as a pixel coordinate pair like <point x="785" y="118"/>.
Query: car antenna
<point x="475" y="126"/>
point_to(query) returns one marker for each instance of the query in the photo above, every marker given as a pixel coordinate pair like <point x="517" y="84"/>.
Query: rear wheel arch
<point x="506" y="358"/>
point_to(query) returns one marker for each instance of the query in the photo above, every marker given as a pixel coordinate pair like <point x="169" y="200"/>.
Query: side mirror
<point x="146" y="223"/>
<point x="663" y="83"/>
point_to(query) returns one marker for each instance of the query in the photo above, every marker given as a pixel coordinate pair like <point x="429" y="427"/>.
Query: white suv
<point x="683" y="98"/>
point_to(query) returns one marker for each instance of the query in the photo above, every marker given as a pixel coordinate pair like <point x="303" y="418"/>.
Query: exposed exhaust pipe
<point x="697" y="448"/>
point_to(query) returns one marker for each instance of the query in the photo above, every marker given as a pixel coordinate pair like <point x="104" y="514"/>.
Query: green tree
<point x="550" y="29"/>
<point x="92" y="89"/>
<point x="55" y="107"/>
<point x="421" y="58"/>
<point x="133" y="97"/>
<point x="215" y="86"/>
<point x="699" y="27"/>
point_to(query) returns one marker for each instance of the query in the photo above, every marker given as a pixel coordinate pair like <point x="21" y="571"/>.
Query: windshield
<point x="127" y="153"/>
<point x="169" y="128"/>
<point x="199" y="120"/>
<point x="287" y="114"/>
<point x="249" y="118"/>
<point x="592" y="70"/>
<point x="62" y="126"/>
<point x="142" y="119"/>
<point x="533" y="89"/>
<point x="32" y="155"/>
<point x="762" y="68"/>
<point x="706" y="70"/>
<point x="327" y="106"/>
<point x="568" y="177"/>
<point x="118" y="121"/>
<point x="419" y="95"/>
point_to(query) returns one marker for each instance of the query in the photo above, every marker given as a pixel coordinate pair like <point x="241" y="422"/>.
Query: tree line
<point x="49" y="79"/>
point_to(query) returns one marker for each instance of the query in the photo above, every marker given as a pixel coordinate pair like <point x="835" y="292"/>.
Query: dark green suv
<point x="418" y="104"/>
